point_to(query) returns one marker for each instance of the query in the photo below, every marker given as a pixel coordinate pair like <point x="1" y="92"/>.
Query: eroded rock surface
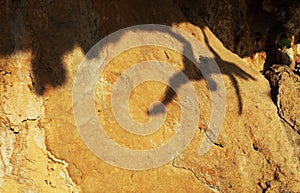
<point x="286" y="90"/>
<point x="42" y="46"/>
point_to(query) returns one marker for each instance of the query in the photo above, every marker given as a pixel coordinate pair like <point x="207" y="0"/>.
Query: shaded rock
<point x="287" y="56"/>
<point x="286" y="93"/>
<point x="248" y="27"/>
<point x="254" y="152"/>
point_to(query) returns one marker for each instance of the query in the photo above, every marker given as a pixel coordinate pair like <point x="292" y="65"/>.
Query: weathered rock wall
<point x="44" y="42"/>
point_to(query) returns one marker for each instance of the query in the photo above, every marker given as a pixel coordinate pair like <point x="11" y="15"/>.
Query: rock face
<point x="42" y="46"/>
<point x="247" y="27"/>
<point x="286" y="89"/>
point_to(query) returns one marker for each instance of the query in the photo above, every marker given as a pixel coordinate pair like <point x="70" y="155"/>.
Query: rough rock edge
<point x="7" y="167"/>
<point x="275" y="77"/>
<point x="11" y="150"/>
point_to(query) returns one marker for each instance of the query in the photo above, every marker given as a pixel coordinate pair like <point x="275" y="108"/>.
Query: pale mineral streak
<point x="26" y="165"/>
<point x="7" y="140"/>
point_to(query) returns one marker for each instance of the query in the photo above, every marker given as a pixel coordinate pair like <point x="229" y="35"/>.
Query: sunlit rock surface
<point x="42" y="46"/>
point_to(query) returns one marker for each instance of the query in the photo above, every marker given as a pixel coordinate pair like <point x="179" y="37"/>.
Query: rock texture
<point x="247" y="27"/>
<point x="26" y="164"/>
<point x="44" y="42"/>
<point x="286" y="90"/>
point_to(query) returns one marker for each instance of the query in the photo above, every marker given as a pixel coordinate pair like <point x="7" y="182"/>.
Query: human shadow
<point x="232" y="71"/>
<point x="194" y="74"/>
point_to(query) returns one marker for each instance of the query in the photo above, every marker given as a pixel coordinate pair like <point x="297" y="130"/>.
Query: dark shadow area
<point x="227" y="68"/>
<point x="249" y="26"/>
<point x="232" y="71"/>
<point x="50" y="29"/>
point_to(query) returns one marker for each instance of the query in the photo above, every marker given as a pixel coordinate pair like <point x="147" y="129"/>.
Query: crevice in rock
<point x="264" y="186"/>
<point x="3" y="73"/>
<point x="14" y="131"/>
<point x="286" y="121"/>
<point x="213" y="141"/>
<point x="69" y="181"/>
<point x="214" y="188"/>
<point x="284" y="90"/>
